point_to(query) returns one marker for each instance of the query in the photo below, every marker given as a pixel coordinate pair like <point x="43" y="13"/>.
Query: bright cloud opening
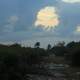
<point x="47" y="18"/>
<point x="71" y="1"/>
<point x="78" y="29"/>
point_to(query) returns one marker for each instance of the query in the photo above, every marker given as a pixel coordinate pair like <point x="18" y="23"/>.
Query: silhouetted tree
<point x="59" y="49"/>
<point x="60" y="44"/>
<point x="37" y="45"/>
<point x="73" y="53"/>
<point x="17" y="61"/>
<point x="49" y="47"/>
<point x="76" y="57"/>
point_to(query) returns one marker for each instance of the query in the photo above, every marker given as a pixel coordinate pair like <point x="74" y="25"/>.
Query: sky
<point x="46" y="21"/>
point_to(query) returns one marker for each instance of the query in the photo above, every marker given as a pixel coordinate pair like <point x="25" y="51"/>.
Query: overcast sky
<point x="47" y="21"/>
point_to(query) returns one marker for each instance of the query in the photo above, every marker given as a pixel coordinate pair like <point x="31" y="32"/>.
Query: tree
<point x="60" y="44"/>
<point x="59" y="49"/>
<point x="76" y="57"/>
<point x="37" y="45"/>
<point x="49" y="47"/>
<point x="73" y="53"/>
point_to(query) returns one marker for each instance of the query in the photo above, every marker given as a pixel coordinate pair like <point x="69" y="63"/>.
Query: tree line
<point x="17" y="61"/>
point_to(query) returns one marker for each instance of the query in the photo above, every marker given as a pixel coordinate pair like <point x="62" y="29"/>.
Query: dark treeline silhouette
<point x="17" y="61"/>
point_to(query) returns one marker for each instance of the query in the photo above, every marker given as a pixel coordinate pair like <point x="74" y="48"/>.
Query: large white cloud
<point x="47" y="18"/>
<point x="71" y="1"/>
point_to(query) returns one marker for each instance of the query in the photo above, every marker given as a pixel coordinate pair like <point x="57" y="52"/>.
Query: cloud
<point x="47" y="18"/>
<point x="78" y="29"/>
<point x="13" y="19"/>
<point x="8" y="28"/>
<point x="71" y="1"/>
<point x="11" y="22"/>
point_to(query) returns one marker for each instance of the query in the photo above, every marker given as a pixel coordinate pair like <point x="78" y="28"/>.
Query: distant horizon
<point x="28" y="44"/>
